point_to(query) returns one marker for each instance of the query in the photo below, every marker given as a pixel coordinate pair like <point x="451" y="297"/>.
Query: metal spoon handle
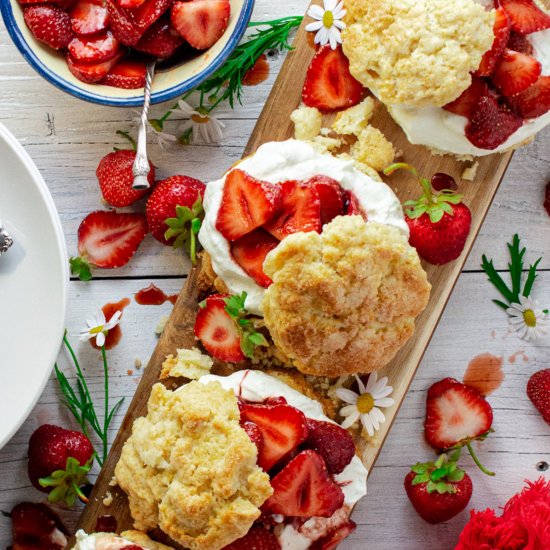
<point x="141" y="168"/>
<point x="5" y="239"/>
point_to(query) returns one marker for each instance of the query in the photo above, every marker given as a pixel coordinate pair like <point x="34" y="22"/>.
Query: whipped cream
<point x="256" y="386"/>
<point x="445" y="131"/>
<point x="99" y="541"/>
<point x="277" y="162"/>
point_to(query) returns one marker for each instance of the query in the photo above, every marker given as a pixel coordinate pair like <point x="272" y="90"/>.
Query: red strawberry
<point x="89" y="17"/>
<point x="92" y="72"/>
<point x="519" y="43"/>
<point x="283" y="428"/>
<point x="201" y="22"/>
<point x="300" y="210"/>
<point x="49" y="24"/>
<point x="438" y="490"/>
<point x="33" y="526"/>
<point x="330" y="196"/>
<point x="441" y="181"/>
<point x="329" y="85"/>
<point x="533" y="102"/>
<point x="352" y="206"/>
<point x="217" y="331"/>
<point x="304" y="488"/>
<point x="127" y="74"/>
<point x="331" y="540"/>
<point x="332" y="442"/>
<point x="254" y="434"/>
<point x="247" y="203"/>
<point x="258" y="538"/>
<point x="538" y="391"/>
<point x="130" y="3"/>
<point x="161" y="40"/>
<point x="115" y="177"/>
<point x="107" y="239"/>
<point x="122" y="24"/>
<point x="250" y="252"/>
<point x="95" y="49"/>
<point x="61" y="3"/>
<point x="546" y="203"/>
<point x="501" y="29"/>
<point x="526" y="17"/>
<point x="276" y="400"/>
<point x="515" y="72"/>
<point x="149" y="12"/>
<point x="467" y="102"/>
<point x="491" y="124"/>
<point x="51" y="449"/>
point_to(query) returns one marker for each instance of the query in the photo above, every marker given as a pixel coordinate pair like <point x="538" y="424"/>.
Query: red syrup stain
<point x="258" y="72"/>
<point x="115" y="334"/>
<point x="106" y="524"/>
<point x="513" y="358"/>
<point x="484" y="373"/>
<point x="153" y="296"/>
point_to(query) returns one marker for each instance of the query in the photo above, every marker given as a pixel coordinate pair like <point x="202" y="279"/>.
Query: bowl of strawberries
<point x="97" y="50"/>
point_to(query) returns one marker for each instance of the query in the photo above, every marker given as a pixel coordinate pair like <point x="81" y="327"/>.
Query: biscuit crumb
<point x="353" y="120"/>
<point x="113" y="482"/>
<point x="159" y="329"/>
<point x="189" y="363"/>
<point x="470" y="172"/>
<point x="307" y="122"/>
<point x="373" y="148"/>
<point x="138" y="363"/>
<point x="108" y="500"/>
<point x="324" y="145"/>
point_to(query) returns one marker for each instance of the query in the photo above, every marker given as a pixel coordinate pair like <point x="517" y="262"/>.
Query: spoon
<point x="5" y="239"/>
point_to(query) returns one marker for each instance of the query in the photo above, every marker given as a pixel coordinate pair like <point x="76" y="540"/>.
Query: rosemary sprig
<point x="81" y="405"/>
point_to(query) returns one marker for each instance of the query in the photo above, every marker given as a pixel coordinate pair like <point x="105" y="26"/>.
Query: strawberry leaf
<point x="66" y="483"/>
<point x="81" y="268"/>
<point x="185" y="227"/>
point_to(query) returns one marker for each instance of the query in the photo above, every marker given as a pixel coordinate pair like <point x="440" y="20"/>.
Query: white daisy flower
<point x="97" y="327"/>
<point x="366" y="405"/>
<point x="328" y="22"/>
<point x="205" y="127"/>
<point x="527" y="318"/>
<point x="162" y="138"/>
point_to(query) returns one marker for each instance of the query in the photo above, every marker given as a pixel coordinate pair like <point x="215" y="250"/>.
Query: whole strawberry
<point x="438" y="490"/>
<point x="439" y="222"/>
<point x="59" y="460"/>
<point x="115" y="177"/>
<point x="174" y="212"/>
<point x="538" y="391"/>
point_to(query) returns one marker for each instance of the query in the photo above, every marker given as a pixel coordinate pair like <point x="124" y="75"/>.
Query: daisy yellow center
<point x="365" y="403"/>
<point x="328" y="19"/>
<point x="200" y="119"/>
<point x="530" y="318"/>
<point x="97" y="330"/>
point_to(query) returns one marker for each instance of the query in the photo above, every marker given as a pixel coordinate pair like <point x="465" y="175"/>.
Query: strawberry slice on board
<point x="515" y="72"/>
<point x="92" y="72"/>
<point x="502" y="28"/>
<point x="94" y="49"/>
<point x="283" y="428"/>
<point x="89" y="17"/>
<point x="331" y="540"/>
<point x="258" y="538"/>
<point x="329" y="86"/>
<point x="247" y="203"/>
<point x="50" y="25"/>
<point x="161" y="40"/>
<point x="466" y="103"/>
<point x="304" y="488"/>
<point x="217" y="331"/>
<point x="128" y="74"/>
<point x="525" y="16"/>
<point x="300" y="210"/>
<point x="201" y="22"/>
<point x="330" y="196"/>
<point x="250" y="251"/>
<point x="519" y="43"/>
<point x="533" y="102"/>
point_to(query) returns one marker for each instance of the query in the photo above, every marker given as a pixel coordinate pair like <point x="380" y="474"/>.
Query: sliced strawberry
<point x="161" y="40"/>
<point x="519" y="43"/>
<point x="352" y="206"/>
<point x="247" y="203"/>
<point x="92" y="72"/>
<point x="335" y="537"/>
<point x="201" y="22"/>
<point x="217" y="331"/>
<point x="515" y="72"/>
<point x="466" y="103"/>
<point x="304" y="488"/>
<point x="283" y="428"/>
<point x="254" y="434"/>
<point x="491" y="124"/>
<point x="330" y="196"/>
<point x="258" y="538"/>
<point x="300" y="211"/>
<point x="109" y="239"/>
<point x="533" y="102"/>
<point x="455" y="413"/>
<point x="64" y="4"/>
<point x="130" y="3"/>
<point x="149" y="12"/>
<point x="546" y="202"/>
<point x="49" y="24"/>
<point x="277" y="400"/>
<point x="33" y="526"/>
<point x="89" y="17"/>
<point x="332" y="442"/>
<point x="127" y="74"/>
<point x="250" y="252"/>
<point x="122" y="24"/>
<point x="501" y="29"/>
<point x="526" y="17"/>
<point x="95" y="49"/>
<point x="329" y="86"/>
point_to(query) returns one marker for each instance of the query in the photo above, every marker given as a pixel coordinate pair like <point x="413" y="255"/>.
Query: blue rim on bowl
<point x="132" y="101"/>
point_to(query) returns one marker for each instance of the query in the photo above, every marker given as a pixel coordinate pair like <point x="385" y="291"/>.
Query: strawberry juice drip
<point x="115" y="334"/>
<point x="484" y="373"/>
<point x="153" y="296"/>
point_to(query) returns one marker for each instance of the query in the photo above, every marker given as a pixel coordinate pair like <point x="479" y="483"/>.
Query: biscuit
<point x="189" y="363"/>
<point x="307" y="122"/>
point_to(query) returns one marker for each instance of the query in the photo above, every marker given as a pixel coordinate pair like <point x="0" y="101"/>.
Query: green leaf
<point x="419" y="468"/>
<point x="442" y="487"/>
<point x="420" y="478"/>
<point x="258" y="339"/>
<point x="81" y="268"/>
<point x="531" y="276"/>
<point x="436" y="475"/>
<point x="431" y="486"/>
<point x="127" y="136"/>
<point x="456" y="476"/>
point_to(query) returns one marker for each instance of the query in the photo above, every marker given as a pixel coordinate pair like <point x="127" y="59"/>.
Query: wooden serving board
<point x="274" y="125"/>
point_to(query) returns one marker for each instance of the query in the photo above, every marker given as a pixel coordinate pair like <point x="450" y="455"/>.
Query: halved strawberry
<point x="122" y="24"/>
<point x="466" y="103"/>
<point x="254" y="434"/>
<point x="161" y="40"/>
<point x="49" y="24"/>
<point x="33" y="526"/>
<point x="330" y="196"/>
<point x="526" y="17"/>
<point x="335" y="537"/>
<point x="352" y="206"/>
<point x="247" y="203"/>
<point x="94" y="49"/>
<point x="519" y="43"/>
<point x="258" y="538"/>
<point x="283" y="428"/>
<point x="89" y="16"/>
<point x="276" y="400"/>
<point x="515" y="72"/>
<point x="201" y="22"/>
<point x="127" y="74"/>
<point x="501" y="30"/>
<point x="304" y="488"/>
<point x="533" y="102"/>
<point x="300" y="210"/>
<point x="250" y="251"/>
<point x="92" y="72"/>
<point x="329" y="86"/>
<point x="217" y="331"/>
<point x="149" y="12"/>
<point x="130" y="3"/>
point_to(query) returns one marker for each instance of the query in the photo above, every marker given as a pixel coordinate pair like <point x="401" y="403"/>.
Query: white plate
<point x="33" y="285"/>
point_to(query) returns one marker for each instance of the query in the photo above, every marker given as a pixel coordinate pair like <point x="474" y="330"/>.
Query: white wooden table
<point x="67" y="138"/>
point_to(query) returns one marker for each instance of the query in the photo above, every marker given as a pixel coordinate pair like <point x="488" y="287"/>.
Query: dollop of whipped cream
<point x="255" y="387"/>
<point x="99" y="541"/>
<point x="281" y="161"/>
<point x="445" y="131"/>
